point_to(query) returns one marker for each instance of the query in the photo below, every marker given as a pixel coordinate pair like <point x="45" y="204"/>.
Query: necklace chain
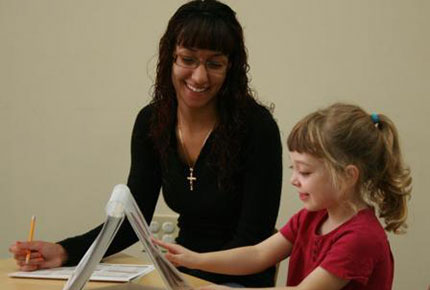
<point x="191" y="178"/>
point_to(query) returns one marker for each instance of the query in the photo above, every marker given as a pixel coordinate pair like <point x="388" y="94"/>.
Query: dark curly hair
<point x="205" y="24"/>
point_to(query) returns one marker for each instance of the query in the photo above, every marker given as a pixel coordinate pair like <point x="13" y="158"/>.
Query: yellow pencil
<point x="30" y="237"/>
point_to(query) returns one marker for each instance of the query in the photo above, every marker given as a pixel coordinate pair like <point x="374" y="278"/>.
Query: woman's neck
<point x="197" y="119"/>
<point x="194" y="128"/>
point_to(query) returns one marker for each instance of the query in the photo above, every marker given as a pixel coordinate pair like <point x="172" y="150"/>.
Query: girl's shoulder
<point x="305" y="219"/>
<point x="364" y="221"/>
<point x="302" y="224"/>
<point x="363" y="230"/>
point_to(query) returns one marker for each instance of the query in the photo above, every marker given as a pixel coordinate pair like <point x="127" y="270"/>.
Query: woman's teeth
<point x="197" y="90"/>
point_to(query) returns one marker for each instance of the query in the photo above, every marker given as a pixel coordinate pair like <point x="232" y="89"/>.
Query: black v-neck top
<point x="210" y="218"/>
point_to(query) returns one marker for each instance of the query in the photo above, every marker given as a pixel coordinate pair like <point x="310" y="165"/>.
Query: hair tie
<point x="375" y="119"/>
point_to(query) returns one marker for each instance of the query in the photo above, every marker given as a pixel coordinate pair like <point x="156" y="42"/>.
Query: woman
<point x="205" y="141"/>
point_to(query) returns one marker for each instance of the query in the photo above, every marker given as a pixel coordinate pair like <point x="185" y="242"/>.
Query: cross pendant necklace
<point x="191" y="177"/>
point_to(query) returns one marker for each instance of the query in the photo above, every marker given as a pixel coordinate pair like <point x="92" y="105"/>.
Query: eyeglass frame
<point x="197" y="63"/>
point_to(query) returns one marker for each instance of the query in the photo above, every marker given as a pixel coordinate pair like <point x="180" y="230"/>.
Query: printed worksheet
<point x="102" y="272"/>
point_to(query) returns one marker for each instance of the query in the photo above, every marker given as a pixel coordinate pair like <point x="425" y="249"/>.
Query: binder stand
<point x="121" y="204"/>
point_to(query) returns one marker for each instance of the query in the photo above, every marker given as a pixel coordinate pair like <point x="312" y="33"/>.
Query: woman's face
<point x="197" y="76"/>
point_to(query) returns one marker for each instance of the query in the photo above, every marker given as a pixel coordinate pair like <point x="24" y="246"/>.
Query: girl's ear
<point x="352" y="174"/>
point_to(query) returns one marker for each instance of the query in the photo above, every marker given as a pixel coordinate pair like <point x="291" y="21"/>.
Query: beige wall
<point x="73" y="75"/>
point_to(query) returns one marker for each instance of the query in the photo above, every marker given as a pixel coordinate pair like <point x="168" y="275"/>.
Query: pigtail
<point x="390" y="188"/>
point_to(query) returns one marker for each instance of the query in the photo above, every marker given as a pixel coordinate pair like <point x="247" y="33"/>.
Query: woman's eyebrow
<point x="192" y="49"/>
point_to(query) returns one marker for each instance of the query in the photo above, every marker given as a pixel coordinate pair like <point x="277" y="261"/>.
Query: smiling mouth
<point x="195" y="89"/>
<point x="303" y="196"/>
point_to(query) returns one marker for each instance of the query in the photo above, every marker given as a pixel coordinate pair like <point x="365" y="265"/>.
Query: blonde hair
<point x="343" y="135"/>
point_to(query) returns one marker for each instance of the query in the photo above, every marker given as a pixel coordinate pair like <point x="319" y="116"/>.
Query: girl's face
<point x="197" y="76"/>
<point x="313" y="182"/>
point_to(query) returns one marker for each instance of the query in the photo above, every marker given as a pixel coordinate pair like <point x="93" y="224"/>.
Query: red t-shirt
<point x="358" y="250"/>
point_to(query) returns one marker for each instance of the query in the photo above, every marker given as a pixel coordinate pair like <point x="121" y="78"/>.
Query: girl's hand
<point x="43" y="255"/>
<point x="178" y="255"/>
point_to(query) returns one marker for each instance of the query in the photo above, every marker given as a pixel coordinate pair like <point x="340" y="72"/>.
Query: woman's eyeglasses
<point x="189" y="62"/>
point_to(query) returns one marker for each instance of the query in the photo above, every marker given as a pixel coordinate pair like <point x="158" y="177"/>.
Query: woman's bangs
<point x="207" y="33"/>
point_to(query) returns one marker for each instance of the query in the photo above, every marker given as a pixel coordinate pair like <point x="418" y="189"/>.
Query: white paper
<point x="103" y="272"/>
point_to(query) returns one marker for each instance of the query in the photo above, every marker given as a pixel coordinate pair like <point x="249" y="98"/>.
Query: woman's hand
<point x="43" y="255"/>
<point x="178" y="255"/>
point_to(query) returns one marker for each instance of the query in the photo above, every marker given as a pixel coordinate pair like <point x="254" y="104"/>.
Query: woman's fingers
<point x="35" y="258"/>
<point x="34" y="261"/>
<point x="17" y="248"/>
<point x="21" y="248"/>
<point x="28" y="268"/>
<point x="20" y="251"/>
<point x="33" y="264"/>
<point x="42" y="255"/>
<point x="50" y="264"/>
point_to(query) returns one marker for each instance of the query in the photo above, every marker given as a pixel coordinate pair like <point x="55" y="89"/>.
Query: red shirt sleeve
<point x="291" y="229"/>
<point x="353" y="257"/>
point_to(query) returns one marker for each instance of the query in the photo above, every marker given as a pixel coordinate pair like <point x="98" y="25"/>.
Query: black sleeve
<point x="144" y="182"/>
<point x="262" y="182"/>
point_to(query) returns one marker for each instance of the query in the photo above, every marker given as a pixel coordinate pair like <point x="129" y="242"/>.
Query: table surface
<point x="150" y="281"/>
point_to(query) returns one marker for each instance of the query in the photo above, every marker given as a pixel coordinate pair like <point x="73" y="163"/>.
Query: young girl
<point x="347" y="167"/>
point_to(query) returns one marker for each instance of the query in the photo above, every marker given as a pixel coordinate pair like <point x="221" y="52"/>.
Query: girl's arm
<point x="318" y="279"/>
<point x="238" y="261"/>
<point x="321" y="279"/>
<point x="249" y="260"/>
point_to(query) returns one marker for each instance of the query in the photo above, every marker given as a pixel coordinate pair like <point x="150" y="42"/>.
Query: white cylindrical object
<point x="118" y="201"/>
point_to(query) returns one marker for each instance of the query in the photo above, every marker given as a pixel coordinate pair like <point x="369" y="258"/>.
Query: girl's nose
<point x="293" y="180"/>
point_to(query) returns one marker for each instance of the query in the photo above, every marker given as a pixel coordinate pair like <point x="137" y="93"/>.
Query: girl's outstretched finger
<point x="172" y="248"/>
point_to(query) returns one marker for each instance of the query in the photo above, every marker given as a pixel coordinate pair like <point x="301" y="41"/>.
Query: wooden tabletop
<point x="150" y="281"/>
